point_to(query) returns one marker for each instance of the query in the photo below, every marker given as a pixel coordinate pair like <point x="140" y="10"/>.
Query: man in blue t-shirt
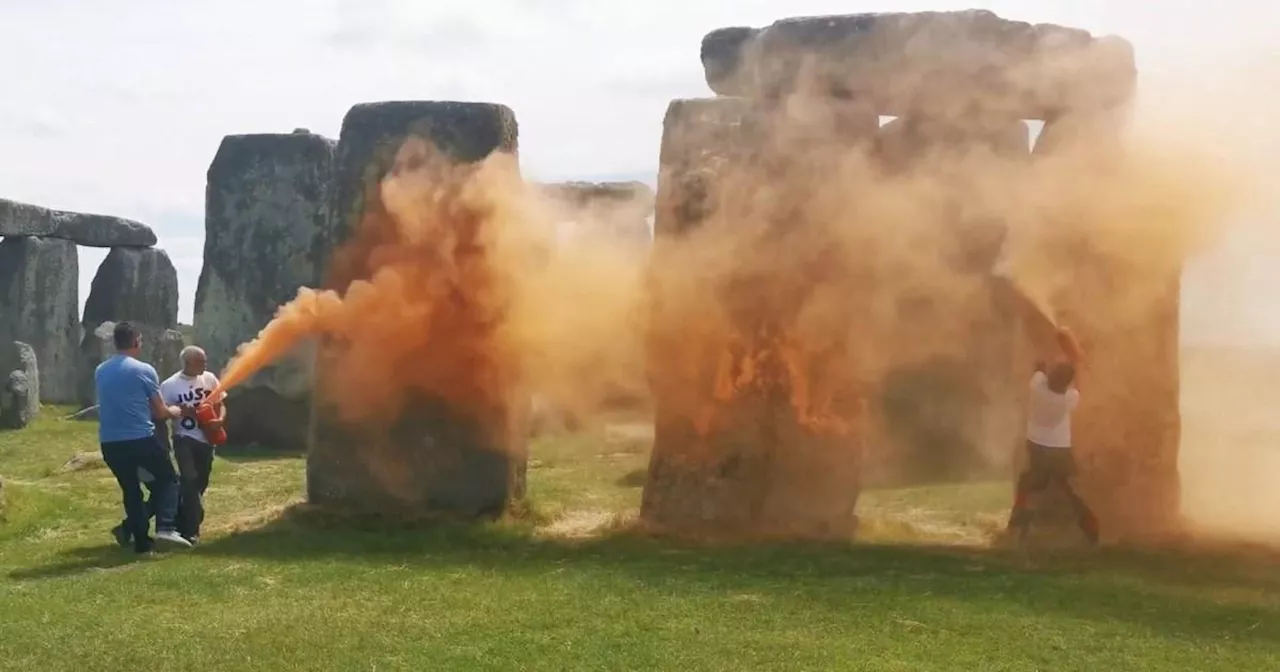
<point x="128" y="404"/>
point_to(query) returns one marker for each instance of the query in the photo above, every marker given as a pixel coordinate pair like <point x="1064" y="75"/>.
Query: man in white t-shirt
<point x="1053" y="398"/>
<point x="186" y="389"/>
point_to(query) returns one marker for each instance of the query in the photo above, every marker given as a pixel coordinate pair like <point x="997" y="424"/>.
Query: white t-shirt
<point x="1049" y="413"/>
<point x="183" y="390"/>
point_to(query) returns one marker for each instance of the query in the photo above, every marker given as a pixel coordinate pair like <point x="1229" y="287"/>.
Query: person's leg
<point x="121" y="459"/>
<point x="1033" y="479"/>
<point x="205" y="466"/>
<point x="1084" y="515"/>
<point x="122" y="532"/>
<point x="190" y="511"/>
<point x="204" y="470"/>
<point x="164" y="488"/>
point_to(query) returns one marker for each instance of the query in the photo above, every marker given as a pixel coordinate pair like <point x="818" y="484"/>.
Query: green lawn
<point x="277" y="587"/>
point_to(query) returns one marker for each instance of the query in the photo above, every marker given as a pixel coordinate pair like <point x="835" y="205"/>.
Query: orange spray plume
<point x="429" y="302"/>
<point x="293" y="322"/>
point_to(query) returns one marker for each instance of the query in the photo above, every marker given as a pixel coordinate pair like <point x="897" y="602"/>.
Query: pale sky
<point x="118" y="107"/>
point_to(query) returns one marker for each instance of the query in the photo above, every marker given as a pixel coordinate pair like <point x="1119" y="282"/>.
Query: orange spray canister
<point x="205" y="414"/>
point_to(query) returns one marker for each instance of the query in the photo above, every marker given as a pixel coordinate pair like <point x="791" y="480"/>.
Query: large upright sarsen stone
<point x="755" y="412"/>
<point x="439" y="455"/>
<point x="137" y="285"/>
<point x="39" y="302"/>
<point x="266" y="234"/>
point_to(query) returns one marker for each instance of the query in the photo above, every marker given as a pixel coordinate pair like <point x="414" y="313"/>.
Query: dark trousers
<point x="195" y="463"/>
<point x="1046" y="466"/>
<point x="124" y="458"/>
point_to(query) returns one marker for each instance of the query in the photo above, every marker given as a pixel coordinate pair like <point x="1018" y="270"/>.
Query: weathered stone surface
<point x="697" y="137"/>
<point x="615" y="210"/>
<point x="23" y="219"/>
<point x="372" y="134"/>
<point x="911" y="62"/>
<point x="39" y="302"/>
<point x="739" y="453"/>
<point x="435" y="457"/>
<point x="266" y="235"/>
<point x="20" y="397"/>
<point x="138" y="285"/>
<point x="166" y="356"/>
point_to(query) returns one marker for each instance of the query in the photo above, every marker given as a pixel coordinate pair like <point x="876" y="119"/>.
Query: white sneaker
<point x="173" y="537"/>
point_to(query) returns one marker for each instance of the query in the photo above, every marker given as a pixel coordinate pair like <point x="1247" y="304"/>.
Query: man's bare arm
<point x="1074" y="353"/>
<point x="222" y="416"/>
<point x="1070" y="346"/>
<point x="161" y="412"/>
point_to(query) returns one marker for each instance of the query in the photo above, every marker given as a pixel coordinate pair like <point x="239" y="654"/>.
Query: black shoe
<point x="146" y="545"/>
<point x="122" y="535"/>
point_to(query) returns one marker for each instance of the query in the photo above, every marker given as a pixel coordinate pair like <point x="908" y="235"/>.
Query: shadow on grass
<point x="1151" y="589"/>
<point x="633" y="479"/>
<point x="81" y="560"/>
<point x="256" y="453"/>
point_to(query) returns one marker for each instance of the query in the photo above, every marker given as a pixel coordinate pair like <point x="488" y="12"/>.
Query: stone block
<point x="39" y="302"/>
<point x="267" y="203"/>
<point x="437" y="456"/>
<point x="23" y="219"/>
<point x="929" y="62"/>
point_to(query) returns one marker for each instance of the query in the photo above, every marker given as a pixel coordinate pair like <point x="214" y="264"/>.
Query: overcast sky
<point x="118" y="107"/>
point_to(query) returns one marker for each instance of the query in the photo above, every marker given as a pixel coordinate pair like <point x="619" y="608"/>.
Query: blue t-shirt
<point x="125" y="387"/>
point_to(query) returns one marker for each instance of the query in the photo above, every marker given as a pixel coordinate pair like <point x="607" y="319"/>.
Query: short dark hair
<point x="125" y="336"/>
<point x="1061" y="376"/>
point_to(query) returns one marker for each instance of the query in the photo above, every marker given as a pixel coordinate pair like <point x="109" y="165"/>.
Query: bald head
<point x="193" y="360"/>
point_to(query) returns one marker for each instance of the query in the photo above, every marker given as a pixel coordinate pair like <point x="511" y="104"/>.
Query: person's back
<point x="1049" y="412"/>
<point x="124" y="388"/>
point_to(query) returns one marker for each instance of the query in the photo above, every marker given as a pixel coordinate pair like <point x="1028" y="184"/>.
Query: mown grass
<point x="276" y="586"/>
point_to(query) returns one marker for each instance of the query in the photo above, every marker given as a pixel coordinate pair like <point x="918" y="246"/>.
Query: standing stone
<point x="20" y="394"/>
<point x="437" y="456"/>
<point x="372" y="133"/>
<point x="97" y="346"/>
<point x="39" y="300"/>
<point x="266" y="235"/>
<point x="167" y="355"/>
<point x="753" y="411"/>
<point x="137" y="285"/>
<point x="22" y="219"/>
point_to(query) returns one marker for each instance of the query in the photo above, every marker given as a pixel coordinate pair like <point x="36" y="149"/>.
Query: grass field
<point x="276" y="587"/>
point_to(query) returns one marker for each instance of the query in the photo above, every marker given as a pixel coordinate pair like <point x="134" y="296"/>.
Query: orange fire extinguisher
<point x="205" y="415"/>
